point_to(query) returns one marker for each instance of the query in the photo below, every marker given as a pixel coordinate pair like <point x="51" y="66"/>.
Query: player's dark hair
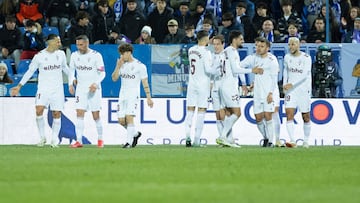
<point x="125" y="47"/>
<point x="234" y="34"/>
<point x="220" y="37"/>
<point x="263" y="40"/>
<point x="201" y="34"/>
<point x="51" y="37"/>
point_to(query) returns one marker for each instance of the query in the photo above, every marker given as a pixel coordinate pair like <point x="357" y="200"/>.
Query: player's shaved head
<point x="294" y="40"/>
<point x="82" y="37"/>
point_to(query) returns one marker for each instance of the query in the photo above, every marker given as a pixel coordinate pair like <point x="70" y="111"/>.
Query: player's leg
<point x="269" y="127"/>
<point x="290" y="101"/>
<point x="233" y="115"/>
<point x="130" y="130"/>
<point x="56" y="102"/>
<point x="290" y="126"/>
<point x="79" y="128"/>
<point x="307" y="128"/>
<point x="40" y="123"/>
<point x="276" y="123"/>
<point x="56" y="126"/>
<point x="99" y="128"/>
<point x="95" y="106"/>
<point x="199" y="125"/>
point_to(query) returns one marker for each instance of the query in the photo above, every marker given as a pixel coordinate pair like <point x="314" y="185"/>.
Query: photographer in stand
<point x="326" y="75"/>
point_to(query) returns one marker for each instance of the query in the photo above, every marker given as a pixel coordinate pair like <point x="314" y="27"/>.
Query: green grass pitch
<point x="178" y="174"/>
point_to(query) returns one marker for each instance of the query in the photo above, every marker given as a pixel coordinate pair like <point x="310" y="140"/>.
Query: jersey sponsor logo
<point x="84" y="68"/>
<point x="52" y="67"/>
<point x="295" y="70"/>
<point x="127" y="76"/>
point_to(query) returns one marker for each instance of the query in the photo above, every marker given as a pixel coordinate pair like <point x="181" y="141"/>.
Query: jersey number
<point x="192" y="64"/>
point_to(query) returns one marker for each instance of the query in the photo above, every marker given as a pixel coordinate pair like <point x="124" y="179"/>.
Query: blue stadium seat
<point x="50" y="30"/>
<point x="23" y="66"/>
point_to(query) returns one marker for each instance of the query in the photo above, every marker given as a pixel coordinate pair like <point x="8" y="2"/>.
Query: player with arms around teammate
<point x="265" y="86"/>
<point x="218" y="62"/>
<point x="50" y="62"/>
<point x="89" y="67"/>
<point x="198" y="87"/>
<point x="229" y="94"/>
<point x="297" y="88"/>
<point x="132" y="72"/>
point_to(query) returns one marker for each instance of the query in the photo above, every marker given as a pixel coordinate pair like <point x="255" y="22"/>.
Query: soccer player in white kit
<point x="297" y="88"/>
<point x="51" y="63"/>
<point x="218" y="62"/>
<point x="229" y="93"/>
<point x="264" y="87"/>
<point x="198" y="91"/>
<point x="90" y="71"/>
<point x="132" y="72"/>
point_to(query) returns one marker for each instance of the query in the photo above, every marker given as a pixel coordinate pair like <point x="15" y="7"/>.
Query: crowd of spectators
<point x="172" y="21"/>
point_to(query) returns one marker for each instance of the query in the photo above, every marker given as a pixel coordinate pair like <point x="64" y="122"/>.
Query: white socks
<point x="199" y="127"/>
<point x="270" y="130"/>
<point x="130" y="133"/>
<point x="229" y="121"/>
<point x="262" y="129"/>
<point x="290" y="129"/>
<point x="99" y="128"/>
<point x="188" y="122"/>
<point x="56" y="126"/>
<point x="79" y="128"/>
<point x="276" y="124"/>
<point x="220" y="126"/>
<point x="307" y="129"/>
<point x="41" y="126"/>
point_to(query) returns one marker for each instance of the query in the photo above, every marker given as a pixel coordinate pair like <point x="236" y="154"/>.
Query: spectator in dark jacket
<point x="60" y="13"/>
<point x="353" y="36"/>
<point x="190" y="37"/>
<point x="175" y="34"/>
<point x="158" y="19"/>
<point x="182" y="15"/>
<point x="287" y="17"/>
<point x="10" y="40"/>
<point x="103" y="22"/>
<point x="318" y="35"/>
<point x="33" y="40"/>
<point x="81" y="26"/>
<point x="132" y="21"/>
<point x="246" y="21"/>
<point x="230" y="24"/>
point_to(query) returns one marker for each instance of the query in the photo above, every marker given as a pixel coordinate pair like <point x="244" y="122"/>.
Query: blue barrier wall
<point x="168" y="66"/>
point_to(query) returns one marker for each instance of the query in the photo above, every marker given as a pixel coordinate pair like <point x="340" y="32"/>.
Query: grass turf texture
<point x="179" y="174"/>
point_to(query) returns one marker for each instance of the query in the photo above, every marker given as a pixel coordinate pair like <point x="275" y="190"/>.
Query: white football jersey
<point x="50" y="66"/>
<point x="131" y="74"/>
<point x="89" y="69"/>
<point x="232" y="65"/>
<point x="218" y="66"/>
<point x="297" y="71"/>
<point x="263" y="83"/>
<point x="200" y="60"/>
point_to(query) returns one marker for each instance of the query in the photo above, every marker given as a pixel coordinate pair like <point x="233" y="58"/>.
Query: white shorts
<point x="216" y="102"/>
<point x="55" y="100"/>
<point x="263" y="106"/>
<point x="128" y="106"/>
<point x="300" y="100"/>
<point x="230" y="97"/>
<point x="86" y="100"/>
<point x="197" y="97"/>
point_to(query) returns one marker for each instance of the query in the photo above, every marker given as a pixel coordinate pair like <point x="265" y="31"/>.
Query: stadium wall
<point x="168" y="67"/>
<point x="334" y="123"/>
